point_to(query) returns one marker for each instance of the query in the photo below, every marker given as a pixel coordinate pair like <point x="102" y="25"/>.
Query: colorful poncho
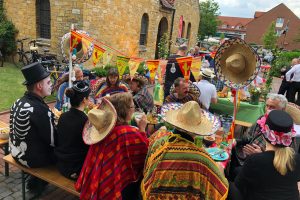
<point x="105" y="90"/>
<point x="112" y="164"/>
<point x="175" y="168"/>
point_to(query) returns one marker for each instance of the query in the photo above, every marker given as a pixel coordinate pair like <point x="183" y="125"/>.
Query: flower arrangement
<point x="255" y="91"/>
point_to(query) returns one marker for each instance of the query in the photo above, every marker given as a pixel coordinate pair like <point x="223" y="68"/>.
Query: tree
<point x="163" y="46"/>
<point x="270" y="37"/>
<point x="209" y="11"/>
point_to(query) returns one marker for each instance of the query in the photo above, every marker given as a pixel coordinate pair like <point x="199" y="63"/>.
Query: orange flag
<point x="85" y="45"/>
<point x="152" y="66"/>
<point x="75" y="40"/>
<point x="97" y="54"/>
<point x="134" y="64"/>
<point x="122" y="63"/>
<point x="196" y="66"/>
<point x="161" y="70"/>
<point x="185" y="66"/>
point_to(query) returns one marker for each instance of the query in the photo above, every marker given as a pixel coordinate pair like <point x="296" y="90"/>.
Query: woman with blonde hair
<point x="272" y="174"/>
<point x="115" y="160"/>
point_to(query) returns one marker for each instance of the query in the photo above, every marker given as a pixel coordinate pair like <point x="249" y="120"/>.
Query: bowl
<point x="4" y="133"/>
<point x="208" y="140"/>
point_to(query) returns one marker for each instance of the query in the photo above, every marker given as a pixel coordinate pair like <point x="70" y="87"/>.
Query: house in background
<point x="233" y="26"/>
<point x="287" y="26"/>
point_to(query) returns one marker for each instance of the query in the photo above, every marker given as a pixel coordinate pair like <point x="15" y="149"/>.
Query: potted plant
<point x="255" y="93"/>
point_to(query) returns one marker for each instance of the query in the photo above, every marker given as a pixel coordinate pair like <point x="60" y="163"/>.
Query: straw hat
<point x="142" y="79"/>
<point x="192" y="119"/>
<point x="207" y="73"/>
<point x="294" y="111"/>
<point x="101" y="121"/>
<point x="236" y="63"/>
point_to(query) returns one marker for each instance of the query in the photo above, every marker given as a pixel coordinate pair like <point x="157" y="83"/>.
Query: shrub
<point x="283" y="59"/>
<point x="7" y="34"/>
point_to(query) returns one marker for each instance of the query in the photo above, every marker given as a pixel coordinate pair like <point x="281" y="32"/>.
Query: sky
<point x="247" y="8"/>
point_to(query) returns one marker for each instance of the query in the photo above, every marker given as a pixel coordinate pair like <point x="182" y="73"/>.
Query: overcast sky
<point x="246" y="8"/>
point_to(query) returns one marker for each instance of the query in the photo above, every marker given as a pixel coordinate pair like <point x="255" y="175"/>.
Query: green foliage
<point x="209" y="11"/>
<point x="163" y="46"/>
<point x="102" y="72"/>
<point x="7" y="34"/>
<point x="222" y="36"/>
<point x="282" y="59"/>
<point x="270" y="38"/>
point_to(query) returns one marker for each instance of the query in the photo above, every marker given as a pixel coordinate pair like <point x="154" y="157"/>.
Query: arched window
<point x="188" y="31"/>
<point x="183" y="28"/>
<point x="144" y="29"/>
<point x="43" y="19"/>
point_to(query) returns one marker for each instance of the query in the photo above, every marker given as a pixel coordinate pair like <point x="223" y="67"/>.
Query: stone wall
<point x="114" y="22"/>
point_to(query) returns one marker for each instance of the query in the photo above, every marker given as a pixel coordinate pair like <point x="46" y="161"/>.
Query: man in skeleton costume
<point x="32" y="130"/>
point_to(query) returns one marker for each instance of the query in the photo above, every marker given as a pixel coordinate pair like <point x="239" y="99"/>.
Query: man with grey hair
<point x="173" y="70"/>
<point x="253" y="141"/>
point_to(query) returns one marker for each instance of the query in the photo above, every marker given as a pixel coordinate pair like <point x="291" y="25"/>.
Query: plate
<point x="213" y="152"/>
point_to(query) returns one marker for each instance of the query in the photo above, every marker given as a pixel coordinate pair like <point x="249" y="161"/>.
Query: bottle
<point x="198" y="141"/>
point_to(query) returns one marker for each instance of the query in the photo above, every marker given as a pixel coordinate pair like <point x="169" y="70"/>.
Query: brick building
<point x="233" y="26"/>
<point x="284" y="18"/>
<point x="133" y="27"/>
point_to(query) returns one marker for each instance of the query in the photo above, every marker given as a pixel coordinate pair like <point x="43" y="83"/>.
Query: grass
<point x="11" y="87"/>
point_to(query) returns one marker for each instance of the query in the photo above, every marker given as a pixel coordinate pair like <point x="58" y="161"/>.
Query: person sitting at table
<point x="183" y="92"/>
<point x="207" y="89"/>
<point x="176" y="168"/>
<point x="274" y="173"/>
<point x="253" y="141"/>
<point x="112" y="85"/>
<point x="71" y="150"/>
<point x="115" y="160"/>
<point x="141" y="97"/>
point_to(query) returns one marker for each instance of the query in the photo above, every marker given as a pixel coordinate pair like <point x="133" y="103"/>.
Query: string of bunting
<point x="106" y="52"/>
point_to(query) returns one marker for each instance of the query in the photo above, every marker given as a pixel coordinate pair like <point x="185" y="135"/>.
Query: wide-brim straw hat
<point x="142" y="79"/>
<point x="101" y="121"/>
<point x="192" y="119"/>
<point x="192" y="89"/>
<point x="207" y="73"/>
<point x="294" y="111"/>
<point x="236" y="63"/>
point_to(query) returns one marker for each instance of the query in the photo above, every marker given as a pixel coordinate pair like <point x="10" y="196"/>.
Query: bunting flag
<point x="196" y="67"/>
<point x="85" y="45"/>
<point x="133" y="65"/>
<point x="161" y="70"/>
<point x="97" y="54"/>
<point x="152" y="66"/>
<point x="185" y="66"/>
<point x="122" y="63"/>
<point x="75" y="40"/>
<point x="107" y="56"/>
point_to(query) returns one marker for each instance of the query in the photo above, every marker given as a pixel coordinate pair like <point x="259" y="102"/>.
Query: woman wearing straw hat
<point x="115" y="160"/>
<point x="177" y="168"/>
<point x="70" y="149"/>
<point x="274" y="173"/>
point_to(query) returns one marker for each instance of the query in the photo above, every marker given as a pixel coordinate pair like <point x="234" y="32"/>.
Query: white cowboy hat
<point x="206" y="72"/>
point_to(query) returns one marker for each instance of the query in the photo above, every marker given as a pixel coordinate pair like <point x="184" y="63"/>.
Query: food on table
<point x="222" y="95"/>
<point x="4" y="133"/>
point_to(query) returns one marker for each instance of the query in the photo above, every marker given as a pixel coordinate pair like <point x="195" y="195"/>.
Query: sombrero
<point x="236" y="63"/>
<point x="293" y="110"/>
<point x="101" y="121"/>
<point x="142" y="79"/>
<point x="190" y="118"/>
<point x="192" y="89"/>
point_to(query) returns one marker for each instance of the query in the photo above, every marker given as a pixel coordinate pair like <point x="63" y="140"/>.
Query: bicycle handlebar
<point x="20" y="40"/>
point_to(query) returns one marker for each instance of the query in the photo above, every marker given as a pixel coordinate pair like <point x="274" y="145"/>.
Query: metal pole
<point x="70" y="62"/>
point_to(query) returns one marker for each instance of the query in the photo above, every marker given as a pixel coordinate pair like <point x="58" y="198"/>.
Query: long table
<point x="246" y="112"/>
<point x="4" y="145"/>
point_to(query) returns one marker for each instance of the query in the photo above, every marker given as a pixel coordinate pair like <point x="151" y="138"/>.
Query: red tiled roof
<point x="258" y="14"/>
<point x="234" y="21"/>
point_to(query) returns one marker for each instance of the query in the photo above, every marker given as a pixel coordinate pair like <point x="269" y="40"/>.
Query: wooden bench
<point x="49" y="174"/>
<point x="4" y="146"/>
<point x="244" y="124"/>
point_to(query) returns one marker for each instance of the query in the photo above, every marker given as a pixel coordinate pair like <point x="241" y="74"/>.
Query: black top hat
<point x="34" y="73"/>
<point x="279" y="121"/>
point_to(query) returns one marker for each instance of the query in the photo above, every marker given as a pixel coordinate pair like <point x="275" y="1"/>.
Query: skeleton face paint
<point x="46" y="86"/>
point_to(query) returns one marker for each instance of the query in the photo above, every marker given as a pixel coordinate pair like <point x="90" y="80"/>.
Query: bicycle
<point x="36" y="56"/>
<point x="24" y="56"/>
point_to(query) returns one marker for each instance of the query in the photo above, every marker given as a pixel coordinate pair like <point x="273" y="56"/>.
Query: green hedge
<point x="283" y="59"/>
<point x="102" y="72"/>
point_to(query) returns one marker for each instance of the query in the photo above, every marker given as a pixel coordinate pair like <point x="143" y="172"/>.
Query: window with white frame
<point x="279" y="22"/>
